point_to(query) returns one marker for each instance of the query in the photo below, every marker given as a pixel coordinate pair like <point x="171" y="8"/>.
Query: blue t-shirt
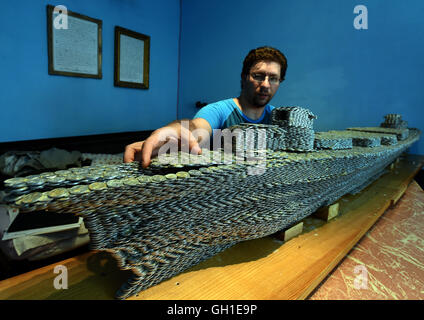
<point x="225" y="113"/>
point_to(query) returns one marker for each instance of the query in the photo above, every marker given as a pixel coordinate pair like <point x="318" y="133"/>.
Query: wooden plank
<point x="93" y="275"/>
<point x="399" y="194"/>
<point x="264" y="268"/>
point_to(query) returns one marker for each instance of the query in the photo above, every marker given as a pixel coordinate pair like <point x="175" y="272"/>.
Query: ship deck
<point x="263" y="269"/>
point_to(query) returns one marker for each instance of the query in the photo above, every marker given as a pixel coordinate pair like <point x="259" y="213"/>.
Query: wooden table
<point x="263" y="269"/>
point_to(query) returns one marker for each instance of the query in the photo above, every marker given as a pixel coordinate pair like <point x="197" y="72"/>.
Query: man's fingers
<point x="189" y="142"/>
<point x="138" y="155"/>
<point x="146" y="152"/>
<point x="132" y="151"/>
<point x="128" y="155"/>
<point x="194" y="147"/>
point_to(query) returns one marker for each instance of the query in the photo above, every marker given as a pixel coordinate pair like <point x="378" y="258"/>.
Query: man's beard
<point x="260" y="104"/>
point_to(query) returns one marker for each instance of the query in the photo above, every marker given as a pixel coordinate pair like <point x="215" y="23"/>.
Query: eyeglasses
<point x="260" y="77"/>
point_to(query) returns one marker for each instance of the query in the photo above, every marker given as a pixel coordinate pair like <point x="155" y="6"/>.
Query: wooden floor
<point x="388" y="262"/>
<point x="263" y="269"/>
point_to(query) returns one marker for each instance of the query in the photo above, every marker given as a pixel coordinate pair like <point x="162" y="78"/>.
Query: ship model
<point x="184" y="208"/>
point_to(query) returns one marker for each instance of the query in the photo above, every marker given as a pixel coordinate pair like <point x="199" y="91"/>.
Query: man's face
<point x="261" y="84"/>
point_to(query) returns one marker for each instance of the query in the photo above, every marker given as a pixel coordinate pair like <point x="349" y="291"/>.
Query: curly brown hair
<point x="264" y="54"/>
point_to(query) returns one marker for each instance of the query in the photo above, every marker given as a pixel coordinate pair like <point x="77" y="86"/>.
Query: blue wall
<point x="347" y="77"/>
<point x="37" y="105"/>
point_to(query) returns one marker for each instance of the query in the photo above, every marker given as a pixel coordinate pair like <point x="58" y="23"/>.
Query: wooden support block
<point x="291" y="232"/>
<point x="328" y="212"/>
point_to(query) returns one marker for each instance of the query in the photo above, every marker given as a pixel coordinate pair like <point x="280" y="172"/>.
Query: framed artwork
<point x="132" y="59"/>
<point x="74" y="43"/>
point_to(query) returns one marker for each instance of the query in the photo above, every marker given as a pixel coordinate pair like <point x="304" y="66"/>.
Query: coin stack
<point x="291" y="130"/>
<point x="332" y="141"/>
<point x="394" y="121"/>
<point x="401" y="133"/>
<point x="298" y="123"/>
<point x="360" y="139"/>
<point x="292" y="117"/>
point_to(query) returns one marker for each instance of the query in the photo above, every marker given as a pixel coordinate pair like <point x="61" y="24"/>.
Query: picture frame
<point x="132" y="59"/>
<point x="74" y="44"/>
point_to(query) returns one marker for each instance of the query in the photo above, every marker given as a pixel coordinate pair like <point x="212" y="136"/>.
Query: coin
<point x="131" y="181"/>
<point x="182" y="174"/>
<point x="58" y="193"/>
<point x="47" y="174"/>
<point x="115" y="183"/>
<point x="35" y="181"/>
<point x="75" y="177"/>
<point x="144" y="179"/>
<point x="55" y="179"/>
<point x="15" y="182"/>
<point x="158" y="178"/>
<point x="61" y="172"/>
<point x="81" y="189"/>
<point x="93" y="175"/>
<point x="195" y="173"/>
<point x="31" y="198"/>
<point x="205" y="170"/>
<point x="97" y="186"/>
<point x="109" y="174"/>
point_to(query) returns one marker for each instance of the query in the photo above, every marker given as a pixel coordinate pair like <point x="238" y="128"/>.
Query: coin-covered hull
<point x="184" y="209"/>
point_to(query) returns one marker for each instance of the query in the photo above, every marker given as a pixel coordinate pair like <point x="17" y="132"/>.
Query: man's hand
<point x="176" y="136"/>
<point x="183" y="135"/>
<point x="133" y="152"/>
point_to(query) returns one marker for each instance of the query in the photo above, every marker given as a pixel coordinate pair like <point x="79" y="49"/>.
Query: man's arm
<point x="189" y="133"/>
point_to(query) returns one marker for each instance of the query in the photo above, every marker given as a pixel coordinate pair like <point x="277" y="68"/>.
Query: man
<point x="264" y="69"/>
